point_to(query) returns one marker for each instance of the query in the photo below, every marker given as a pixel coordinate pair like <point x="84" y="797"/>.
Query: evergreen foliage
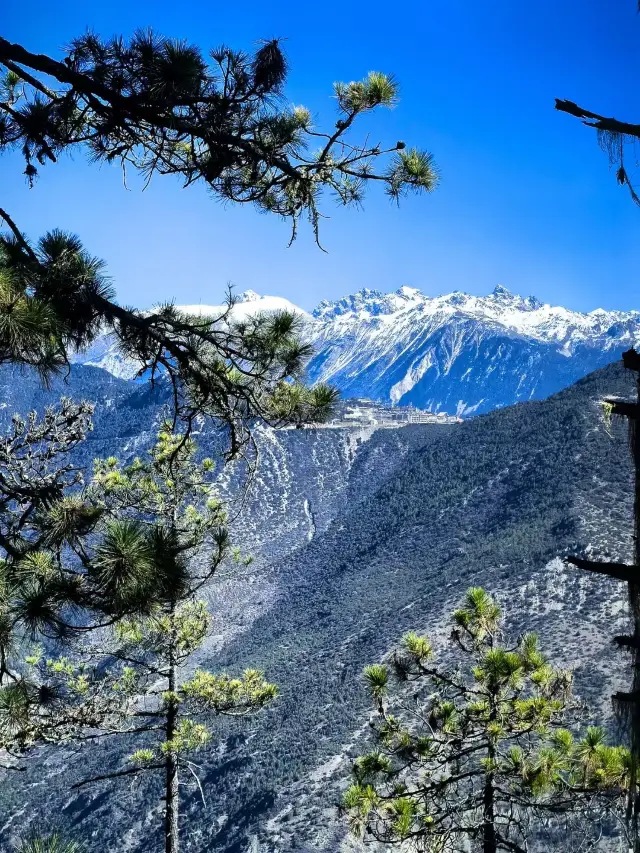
<point x="162" y="539"/>
<point x="41" y="519"/>
<point x="477" y="753"/>
<point x="158" y="107"/>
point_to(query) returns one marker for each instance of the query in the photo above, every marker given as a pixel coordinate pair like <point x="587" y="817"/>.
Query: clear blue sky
<point x="526" y="200"/>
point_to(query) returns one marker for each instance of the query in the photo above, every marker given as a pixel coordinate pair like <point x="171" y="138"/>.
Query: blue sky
<point x="526" y="200"/>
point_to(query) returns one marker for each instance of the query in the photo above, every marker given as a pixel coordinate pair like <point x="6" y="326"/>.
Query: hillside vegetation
<point x="494" y="501"/>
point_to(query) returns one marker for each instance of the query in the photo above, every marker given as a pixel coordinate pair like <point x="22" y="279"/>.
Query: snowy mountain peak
<point x="457" y="299"/>
<point x="460" y="352"/>
<point x="368" y="303"/>
<point x="501" y="296"/>
<point x="457" y="352"/>
<point x="246" y="304"/>
<point x="411" y="294"/>
<point x="500" y="292"/>
<point x="533" y="303"/>
<point x="364" y="301"/>
<point x="248" y="296"/>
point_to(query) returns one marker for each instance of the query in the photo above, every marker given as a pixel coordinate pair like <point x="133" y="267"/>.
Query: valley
<point x="358" y="535"/>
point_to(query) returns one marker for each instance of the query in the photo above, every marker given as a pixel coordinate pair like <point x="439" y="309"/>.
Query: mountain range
<point x="359" y="534"/>
<point x="457" y="353"/>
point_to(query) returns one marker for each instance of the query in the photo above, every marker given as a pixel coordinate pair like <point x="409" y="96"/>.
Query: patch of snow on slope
<point x="247" y="304"/>
<point x="411" y="378"/>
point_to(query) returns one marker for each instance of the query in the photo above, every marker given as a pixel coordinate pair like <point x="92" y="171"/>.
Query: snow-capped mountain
<point x="105" y="353"/>
<point x="458" y="353"/>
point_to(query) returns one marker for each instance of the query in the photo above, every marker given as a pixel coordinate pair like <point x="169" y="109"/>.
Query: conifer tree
<point x="473" y="754"/>
<point x="157" y="106"/>
<point x="162" y="538"/>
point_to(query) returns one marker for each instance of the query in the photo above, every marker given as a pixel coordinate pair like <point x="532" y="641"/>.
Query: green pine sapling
<point x="162" y="539"/>
<point x="474" y="754"/>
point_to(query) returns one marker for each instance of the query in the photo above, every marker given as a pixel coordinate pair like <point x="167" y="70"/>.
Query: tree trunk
<point x="489" y="843"/>
<point x="631" y="700"/>
<point x="634" y="596"/>
<point x="171" y="823"/>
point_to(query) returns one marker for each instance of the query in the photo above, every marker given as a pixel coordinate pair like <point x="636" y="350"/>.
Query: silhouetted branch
<point x="600" y="122"/>
<point x="128" y="772"/>
<point x="618" y="571"/>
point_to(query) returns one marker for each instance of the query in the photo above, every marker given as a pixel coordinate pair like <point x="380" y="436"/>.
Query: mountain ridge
<point x="459" y="353"/>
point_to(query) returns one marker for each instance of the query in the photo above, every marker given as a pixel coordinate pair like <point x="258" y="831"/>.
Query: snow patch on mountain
<point x="414" y="375"/>
<point x="104" y="352"/>
<point x="247" y="304"/>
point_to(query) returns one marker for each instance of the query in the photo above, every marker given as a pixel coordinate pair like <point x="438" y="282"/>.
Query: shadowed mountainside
<point x="375" y="538"/>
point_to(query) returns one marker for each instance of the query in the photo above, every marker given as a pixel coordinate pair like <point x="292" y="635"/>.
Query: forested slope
<point x="494" y="501"/>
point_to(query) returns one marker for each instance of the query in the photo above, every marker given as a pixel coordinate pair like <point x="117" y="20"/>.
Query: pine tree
<point x="162" y="539"/>
<point x="157" y="107"/>
<point x="474" y="754"/>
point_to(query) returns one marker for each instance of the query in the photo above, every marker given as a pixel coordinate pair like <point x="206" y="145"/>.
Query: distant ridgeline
<point x="457" y="353"/>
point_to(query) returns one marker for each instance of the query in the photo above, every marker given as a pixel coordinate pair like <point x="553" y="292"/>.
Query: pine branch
<point x="18" y="234"/>
<point x="617" y="571"/>
<point x="105" y="776"/>
<point x="624" y="408"/>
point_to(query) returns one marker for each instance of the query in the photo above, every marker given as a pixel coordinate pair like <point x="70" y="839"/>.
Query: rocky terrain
<point x="359" y="535"/>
